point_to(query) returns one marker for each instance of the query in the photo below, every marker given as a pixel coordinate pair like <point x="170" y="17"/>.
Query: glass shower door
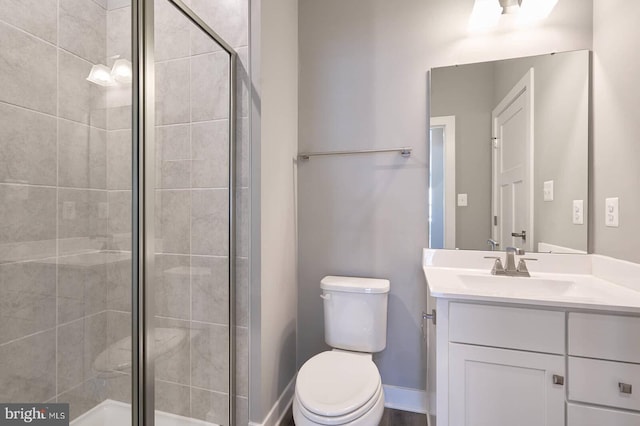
<point x="190" y="291"/>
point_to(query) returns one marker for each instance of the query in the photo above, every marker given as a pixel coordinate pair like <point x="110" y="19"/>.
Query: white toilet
<point x="343" y="386"/>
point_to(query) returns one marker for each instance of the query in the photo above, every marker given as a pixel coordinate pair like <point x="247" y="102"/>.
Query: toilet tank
<point x="355" y="313"/>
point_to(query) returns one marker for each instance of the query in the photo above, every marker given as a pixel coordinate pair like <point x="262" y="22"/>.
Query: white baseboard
<point x="280" y="407"/>
<point x="405" y="399"/>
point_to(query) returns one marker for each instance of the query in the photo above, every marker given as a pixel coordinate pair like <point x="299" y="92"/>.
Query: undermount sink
<point x="529" y="286"/>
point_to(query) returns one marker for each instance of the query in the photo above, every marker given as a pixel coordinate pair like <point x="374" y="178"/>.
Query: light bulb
<point x="101" y="75"/>
<point x="121" y="71"/>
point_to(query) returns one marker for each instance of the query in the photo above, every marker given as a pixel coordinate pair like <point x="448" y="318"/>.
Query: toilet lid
<point x="335" y="383"/>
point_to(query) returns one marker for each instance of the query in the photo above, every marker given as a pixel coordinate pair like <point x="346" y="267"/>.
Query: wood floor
<point x="389" y="418"/>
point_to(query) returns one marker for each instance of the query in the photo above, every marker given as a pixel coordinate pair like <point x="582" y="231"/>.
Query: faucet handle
<point x="497" y="269"/>
<point x="522" y="265"/>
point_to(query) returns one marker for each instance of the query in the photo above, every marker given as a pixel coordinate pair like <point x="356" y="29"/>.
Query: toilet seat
<point x="337" y="387"/>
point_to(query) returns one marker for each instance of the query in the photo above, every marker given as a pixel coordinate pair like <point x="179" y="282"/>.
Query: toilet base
<point x="370" y="418"/>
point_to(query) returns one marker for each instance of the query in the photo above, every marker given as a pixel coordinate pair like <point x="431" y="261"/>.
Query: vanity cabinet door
<point x="500" y="387"/>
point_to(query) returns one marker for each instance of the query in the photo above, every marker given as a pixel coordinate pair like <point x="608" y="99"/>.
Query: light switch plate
<point x="548" y="190"/>
<point x="462" y="200"/>
<point x="612" y="212"/>
<point x="578" y="212"/>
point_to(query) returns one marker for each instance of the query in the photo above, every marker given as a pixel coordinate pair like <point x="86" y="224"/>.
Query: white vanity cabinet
<point x="604" y="370"/>
<point x="506" y="365"/>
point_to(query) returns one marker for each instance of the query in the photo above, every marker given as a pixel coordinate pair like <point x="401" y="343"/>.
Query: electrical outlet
<point x="578" y="212"/>
<point x="612" y="212"/>
<point x="548" y="190"/>
<point x="462" y="200"/>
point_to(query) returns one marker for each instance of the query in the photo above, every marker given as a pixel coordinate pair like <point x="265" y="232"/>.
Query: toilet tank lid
<point x="354" y="284"/>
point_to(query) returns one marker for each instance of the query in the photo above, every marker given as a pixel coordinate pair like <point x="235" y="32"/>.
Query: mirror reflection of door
<point x="513" y="167"/>
<point x="442" y="177"/>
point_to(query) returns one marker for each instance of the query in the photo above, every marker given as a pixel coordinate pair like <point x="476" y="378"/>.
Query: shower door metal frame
<point x="143" y="205"/>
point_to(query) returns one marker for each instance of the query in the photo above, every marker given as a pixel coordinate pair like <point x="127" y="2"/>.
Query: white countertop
<point x="561" y="280"/>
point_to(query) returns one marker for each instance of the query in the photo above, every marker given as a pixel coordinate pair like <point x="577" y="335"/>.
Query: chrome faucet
<point x="510" y="269"/>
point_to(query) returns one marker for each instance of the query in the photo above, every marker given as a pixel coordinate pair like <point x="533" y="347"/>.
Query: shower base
<point x="110" y="413"/>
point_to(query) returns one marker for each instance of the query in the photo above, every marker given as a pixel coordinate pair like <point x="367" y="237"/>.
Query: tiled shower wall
<point x="54" y="214"/>
<point x="65" y="192"/>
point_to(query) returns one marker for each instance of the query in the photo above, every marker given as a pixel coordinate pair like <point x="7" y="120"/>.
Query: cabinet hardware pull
<point x="558" y="380"/>
<point x="624" y="388"/>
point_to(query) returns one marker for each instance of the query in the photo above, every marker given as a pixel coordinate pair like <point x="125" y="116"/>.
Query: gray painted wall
<point x="616" y="128"/>
<point x="274" y="295"/>
<point x="362" y="83"/>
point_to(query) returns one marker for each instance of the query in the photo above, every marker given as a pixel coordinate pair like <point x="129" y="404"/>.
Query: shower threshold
<point x="110" y="412"/>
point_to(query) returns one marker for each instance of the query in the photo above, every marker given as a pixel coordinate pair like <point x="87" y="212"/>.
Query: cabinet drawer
<point x="502" y="327"/>
<point x="597" y="382"/>
<point x="605" y="337"/>
<point x="580" y="415"/>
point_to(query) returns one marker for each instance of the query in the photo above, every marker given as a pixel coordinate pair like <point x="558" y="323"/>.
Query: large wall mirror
<point x="509" y="154"/>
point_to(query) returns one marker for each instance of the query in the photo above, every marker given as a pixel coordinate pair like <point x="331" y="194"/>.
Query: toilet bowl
<point x="343" y="386"/>
<point x="338" y="388"/>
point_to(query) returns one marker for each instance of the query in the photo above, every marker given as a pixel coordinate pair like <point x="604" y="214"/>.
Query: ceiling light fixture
<point x="121" y="71"/>
<point x="486" y="13"/>
<point x="510" y="6"/>
<point x="101" y="75"/>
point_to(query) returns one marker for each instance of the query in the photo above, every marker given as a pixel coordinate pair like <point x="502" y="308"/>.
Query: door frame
<point x="524" y="87"/>
<point x="448" y="124"/>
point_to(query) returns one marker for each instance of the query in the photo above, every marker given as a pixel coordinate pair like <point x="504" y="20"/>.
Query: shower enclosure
<point x="120" y="257"/>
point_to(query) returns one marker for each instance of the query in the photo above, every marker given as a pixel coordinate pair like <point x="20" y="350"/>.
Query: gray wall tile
<point x="210" y="222"/>
<point x="26" y="71"/>
<point x="119" y="100"/>
<point x="27" y="213"/>
<point x="172" y="364"/>
<point x="81" y="155"/>
<point x="79" y="213"/>
<point x="228" y="18"/>
<point x="119" y="32"/>
<point x="38" y="17"/>
<point x="119" y="166"/>
<point x="84" y="397"/>
<point x="210" y="289"/>
<point x="28" y="368"/>
<point x="210" y="87"/>
<point x="172" y="31"/>
<point x="172" y="398"/>
<point x="173" y="156"/>
<point x="119" y="282"/>
<point x="172" y="92"/>
<point x="27" y="299"/>
<point x="210" y="356"/>
<point x="28" y="148"/>
<point x="82" y="286"/>
<point x="83" y="26"/>
<point x="119" y="387"/>
<point x="210" y="406"/>
<point x="210" y="142"/>
<point x="172" y="286"/>
<point x="80" y="100"/>
<point x="119" y="212"/>
<point x="173" y="208"/>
